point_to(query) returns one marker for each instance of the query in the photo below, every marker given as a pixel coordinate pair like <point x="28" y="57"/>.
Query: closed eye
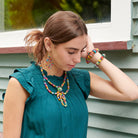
<point x="75" y="50"/>
<point x="72" y="51"/>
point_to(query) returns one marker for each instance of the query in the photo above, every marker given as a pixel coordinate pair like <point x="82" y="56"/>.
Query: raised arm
<point x="14" y="103"/>
<point x="120" y="87"/>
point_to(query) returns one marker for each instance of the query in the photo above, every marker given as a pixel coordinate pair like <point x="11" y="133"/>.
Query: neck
<point x="54" y="71"/>
<point x="51" y="68"/>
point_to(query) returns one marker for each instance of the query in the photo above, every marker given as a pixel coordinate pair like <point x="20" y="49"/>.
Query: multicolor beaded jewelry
<point x="49" y="62"/>
<point x="91" y="54"/>
<point x="60" y="94"/>
<point x="99" y="61"/>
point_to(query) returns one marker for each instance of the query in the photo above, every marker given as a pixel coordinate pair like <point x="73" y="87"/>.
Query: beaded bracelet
<point x="99" y="61"/>
<point x="91" y="54"/>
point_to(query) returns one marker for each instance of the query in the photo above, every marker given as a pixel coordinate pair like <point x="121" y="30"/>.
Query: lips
<point x="72" y="66"/>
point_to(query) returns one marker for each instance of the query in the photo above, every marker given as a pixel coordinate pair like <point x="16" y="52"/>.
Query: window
<point x="119" y="29"/>
<point x="33" y="13"/>
<point x="116" y="27"/>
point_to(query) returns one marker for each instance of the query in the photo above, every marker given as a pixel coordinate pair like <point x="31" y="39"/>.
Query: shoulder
<point x="82" y="79"/>
<point x="81" y="76"/>
<point x="16" y="91"/>
<point x="26" y="76"/>
<point x="80" y="73"/>
<point x="21" y="83"/>
<point x="32" y="69"/>
<point x="14" y="84"/>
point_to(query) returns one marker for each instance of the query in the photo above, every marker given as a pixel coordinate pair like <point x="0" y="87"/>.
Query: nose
<point x="77" y="58"/>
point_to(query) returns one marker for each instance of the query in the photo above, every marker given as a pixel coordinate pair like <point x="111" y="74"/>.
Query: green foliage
<point x="89" y="10"/>
<point x="42" y="10"/>
<point x="7" y="21"/>
<point x="21" y="14"/>
<point x="71" y="5"/>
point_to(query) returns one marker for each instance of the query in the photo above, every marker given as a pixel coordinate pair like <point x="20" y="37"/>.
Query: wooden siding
<point x="107" y="119"/>
<point x="134" y="30"/>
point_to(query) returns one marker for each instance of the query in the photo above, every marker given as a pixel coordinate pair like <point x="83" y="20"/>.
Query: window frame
<point x="119" y="29"/>
<point x="114" y="35"/>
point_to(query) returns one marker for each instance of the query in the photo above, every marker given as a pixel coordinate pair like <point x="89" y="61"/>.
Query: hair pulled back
<point x="60" y="27"/>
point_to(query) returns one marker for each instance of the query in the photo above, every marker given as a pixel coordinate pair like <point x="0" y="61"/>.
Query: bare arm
<point x="14" y="103"/>
<point x="120" y="87"/>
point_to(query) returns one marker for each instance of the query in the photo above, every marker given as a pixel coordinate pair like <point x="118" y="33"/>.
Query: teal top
<point x="44" y="116"/>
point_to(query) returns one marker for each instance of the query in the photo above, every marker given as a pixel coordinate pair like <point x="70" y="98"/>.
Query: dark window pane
<point x="21" y="14"/>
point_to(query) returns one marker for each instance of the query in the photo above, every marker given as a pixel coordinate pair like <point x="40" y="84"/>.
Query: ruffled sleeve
<point x="22" y="75"/>
<point x="82" y="78"/>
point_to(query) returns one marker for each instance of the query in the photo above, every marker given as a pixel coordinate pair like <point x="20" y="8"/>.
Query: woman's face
<point x="66" y="55"/>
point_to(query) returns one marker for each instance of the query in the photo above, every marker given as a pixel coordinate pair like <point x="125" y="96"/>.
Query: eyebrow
<point x="72" y="48"/>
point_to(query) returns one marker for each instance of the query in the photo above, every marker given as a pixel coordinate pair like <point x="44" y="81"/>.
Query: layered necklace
<point x="60" y="94"/>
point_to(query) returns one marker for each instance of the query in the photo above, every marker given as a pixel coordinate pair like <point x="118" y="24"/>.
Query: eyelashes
<point x="74" y="51"/>
<point x="71" y="53"/>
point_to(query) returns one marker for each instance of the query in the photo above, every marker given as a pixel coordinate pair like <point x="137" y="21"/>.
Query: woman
<point x="47" y="99"/>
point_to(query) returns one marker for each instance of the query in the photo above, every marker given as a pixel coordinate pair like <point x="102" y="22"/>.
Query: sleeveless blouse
<point x="44" y="116"/>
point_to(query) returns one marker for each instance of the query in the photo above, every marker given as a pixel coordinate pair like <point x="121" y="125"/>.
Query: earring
<point x="49" y="62"/>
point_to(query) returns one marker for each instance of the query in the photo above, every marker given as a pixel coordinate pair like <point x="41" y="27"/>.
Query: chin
<point x="68" y="69"/>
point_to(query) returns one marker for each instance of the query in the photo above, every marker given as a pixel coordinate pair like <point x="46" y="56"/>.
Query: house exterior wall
<point x="107" y="119"/>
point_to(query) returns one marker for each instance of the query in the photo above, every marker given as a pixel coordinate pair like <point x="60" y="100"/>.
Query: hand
<point x="89" y="47"/>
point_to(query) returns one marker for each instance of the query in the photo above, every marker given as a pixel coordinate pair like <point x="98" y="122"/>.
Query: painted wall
<point x="107" y="119"/>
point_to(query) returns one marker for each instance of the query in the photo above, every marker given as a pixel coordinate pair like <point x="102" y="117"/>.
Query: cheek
<point x="60" y="57"/>
<point x="63" y="55"/>
<point x="64" y="58"/>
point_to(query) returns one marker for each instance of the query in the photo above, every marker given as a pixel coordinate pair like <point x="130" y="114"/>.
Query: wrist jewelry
<point x="99" y="61"/>
<point x="91" y="54"/>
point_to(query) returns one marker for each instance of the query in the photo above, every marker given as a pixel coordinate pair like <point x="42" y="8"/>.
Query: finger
<point x="90" y="45"/>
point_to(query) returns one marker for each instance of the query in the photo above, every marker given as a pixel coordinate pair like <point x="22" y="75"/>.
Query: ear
<point x="48" y="44"/>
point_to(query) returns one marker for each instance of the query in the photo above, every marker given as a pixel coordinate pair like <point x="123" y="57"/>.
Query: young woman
<point x="47" y="99"/>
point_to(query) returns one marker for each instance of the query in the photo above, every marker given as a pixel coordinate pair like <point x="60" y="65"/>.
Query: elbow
<point x="135" y="97"/>
<point x="132" y="96"/>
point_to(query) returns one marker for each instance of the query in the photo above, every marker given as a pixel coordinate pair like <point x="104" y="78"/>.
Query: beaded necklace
<point x="60" y="94"/>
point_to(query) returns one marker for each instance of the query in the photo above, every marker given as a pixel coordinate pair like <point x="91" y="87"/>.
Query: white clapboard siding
<point x="107" y="119"/>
